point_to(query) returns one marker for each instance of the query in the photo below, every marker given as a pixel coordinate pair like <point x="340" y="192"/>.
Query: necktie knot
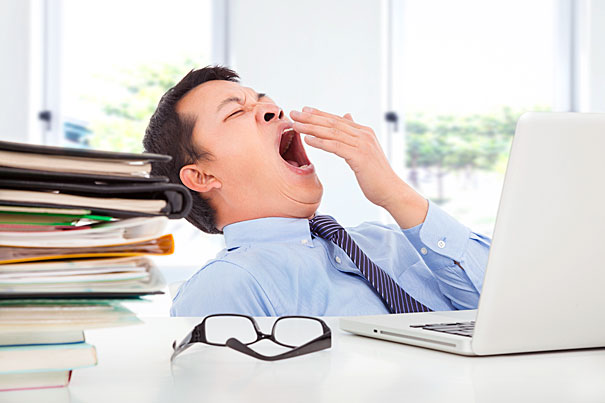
<point x="325" y="227"/>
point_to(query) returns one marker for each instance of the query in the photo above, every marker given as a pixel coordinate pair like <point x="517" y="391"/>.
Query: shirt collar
<point x="269" y="229"/>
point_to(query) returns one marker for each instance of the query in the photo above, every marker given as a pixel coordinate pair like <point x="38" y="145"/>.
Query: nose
<point x="268" y="112"/>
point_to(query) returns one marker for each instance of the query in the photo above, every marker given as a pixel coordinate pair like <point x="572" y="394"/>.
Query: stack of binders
<point x="76" y="227"/>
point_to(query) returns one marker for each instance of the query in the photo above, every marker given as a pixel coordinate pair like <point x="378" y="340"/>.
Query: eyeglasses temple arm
<point x="183" y="345"/>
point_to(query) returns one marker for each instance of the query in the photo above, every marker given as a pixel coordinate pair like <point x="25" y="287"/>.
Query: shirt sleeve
<point x="221" y="287"/>
<point x="456" y="255"/>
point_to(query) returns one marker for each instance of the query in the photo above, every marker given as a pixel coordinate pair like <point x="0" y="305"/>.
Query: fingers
<point x="336" y="122"/>
<point x="336" y="132"/>
<point x="341" y="149"/>
<point x="339" y="135"/>
<point x="318" y="112"/>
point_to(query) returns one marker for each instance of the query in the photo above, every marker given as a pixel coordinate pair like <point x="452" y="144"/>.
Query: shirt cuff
<point x="440" y="240"/>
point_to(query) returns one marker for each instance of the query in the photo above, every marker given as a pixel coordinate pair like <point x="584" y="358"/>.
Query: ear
<point x="197" y="179"/>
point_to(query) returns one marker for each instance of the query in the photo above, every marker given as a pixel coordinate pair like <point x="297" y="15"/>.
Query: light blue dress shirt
<point x="274" y="266"/>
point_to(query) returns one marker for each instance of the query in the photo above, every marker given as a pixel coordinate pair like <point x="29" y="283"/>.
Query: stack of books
<point x="42" y="341"/>
<point x="76" y="227"/>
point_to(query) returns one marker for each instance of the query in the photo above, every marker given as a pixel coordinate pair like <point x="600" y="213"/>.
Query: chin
<point x="309" y="206"/>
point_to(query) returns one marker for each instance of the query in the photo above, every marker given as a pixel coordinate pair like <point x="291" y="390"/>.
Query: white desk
<point x="134" y="367"/>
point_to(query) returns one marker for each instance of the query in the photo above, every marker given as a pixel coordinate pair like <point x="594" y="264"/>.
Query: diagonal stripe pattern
<point x="393" y="296"/>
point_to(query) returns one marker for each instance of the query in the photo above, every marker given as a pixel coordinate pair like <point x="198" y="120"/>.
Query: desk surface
<point x="134" y="366"/>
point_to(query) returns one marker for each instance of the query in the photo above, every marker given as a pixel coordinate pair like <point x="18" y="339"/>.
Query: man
<point x="250" y="177"/>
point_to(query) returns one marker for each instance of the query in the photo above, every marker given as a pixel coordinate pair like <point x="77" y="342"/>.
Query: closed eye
<point x="234" y="113"/>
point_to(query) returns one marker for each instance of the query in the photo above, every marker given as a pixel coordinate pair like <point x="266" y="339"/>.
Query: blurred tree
<point x="126" y="113"/>
<point x="441" y="144"/>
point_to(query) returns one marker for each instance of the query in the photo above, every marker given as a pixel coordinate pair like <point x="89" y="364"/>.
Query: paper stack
<point x="100" y="260"/>
<point x="75" y="229"/>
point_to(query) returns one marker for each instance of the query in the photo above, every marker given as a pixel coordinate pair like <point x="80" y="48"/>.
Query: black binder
<point x="100" y="186"/>
<point x="35" y="174"/>
<point x="177" y="197"/>
<point x="80" y="152"/>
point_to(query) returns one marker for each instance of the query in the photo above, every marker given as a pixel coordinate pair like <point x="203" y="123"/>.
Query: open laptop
<point x="544" y="287"/>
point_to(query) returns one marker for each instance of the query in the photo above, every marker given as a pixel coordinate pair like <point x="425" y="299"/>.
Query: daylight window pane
<point x="119" y="57"/>
<point x="471" y="68"/>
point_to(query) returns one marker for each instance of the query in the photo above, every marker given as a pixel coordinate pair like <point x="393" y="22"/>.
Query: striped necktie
<point x="393" y="296"/>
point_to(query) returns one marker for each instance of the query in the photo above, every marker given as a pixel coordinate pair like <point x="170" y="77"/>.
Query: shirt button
<point x="304" y="241"/>
<point x="337" y="260"/>
<point x="441" y="244"/>
<point x="423" y="251"/>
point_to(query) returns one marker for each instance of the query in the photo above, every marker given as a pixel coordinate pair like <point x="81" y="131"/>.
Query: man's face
<point x="258" y="161"/>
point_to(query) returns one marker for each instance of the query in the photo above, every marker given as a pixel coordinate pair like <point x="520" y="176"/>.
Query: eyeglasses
<point x="302" y="334"/>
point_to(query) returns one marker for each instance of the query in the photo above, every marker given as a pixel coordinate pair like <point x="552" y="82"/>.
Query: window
<point x="470" y="68"/>
<point x="118" y="58"/>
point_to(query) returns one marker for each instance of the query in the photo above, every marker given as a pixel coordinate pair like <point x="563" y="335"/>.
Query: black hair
<point x="172" y="134"/>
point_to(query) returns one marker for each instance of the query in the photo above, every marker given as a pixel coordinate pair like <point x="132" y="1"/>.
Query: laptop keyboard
<point x="459" y="328"/>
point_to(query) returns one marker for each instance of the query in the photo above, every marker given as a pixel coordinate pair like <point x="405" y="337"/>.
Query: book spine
<point x="58" y="385"/>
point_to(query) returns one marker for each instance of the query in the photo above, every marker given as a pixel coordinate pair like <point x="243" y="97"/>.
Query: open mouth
<point x="292" y="151"/>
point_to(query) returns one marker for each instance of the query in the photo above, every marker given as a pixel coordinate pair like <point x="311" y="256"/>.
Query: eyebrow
<point x="238" y="100"/>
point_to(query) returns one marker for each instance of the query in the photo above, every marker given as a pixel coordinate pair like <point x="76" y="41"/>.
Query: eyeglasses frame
<point x="198" y="334"/>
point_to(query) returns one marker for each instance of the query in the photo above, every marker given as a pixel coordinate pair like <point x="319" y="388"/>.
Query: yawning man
<point x="244" y="162"/>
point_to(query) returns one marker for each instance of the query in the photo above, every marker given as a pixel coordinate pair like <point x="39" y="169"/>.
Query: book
<point x="51" y="357"/>
<point x="42" y="321"/>
<point x="22" y="338"/>
<point x="34" y="380"/>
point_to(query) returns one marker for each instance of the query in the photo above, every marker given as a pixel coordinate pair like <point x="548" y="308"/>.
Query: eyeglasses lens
<point x="297" y="331"/>
<point x="219" y="329"/>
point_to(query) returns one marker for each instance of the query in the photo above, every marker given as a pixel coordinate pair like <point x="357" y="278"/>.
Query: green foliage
<point x="455" y="142"/>
<point x="126" y="112"/>
<point x="446" y="143"/>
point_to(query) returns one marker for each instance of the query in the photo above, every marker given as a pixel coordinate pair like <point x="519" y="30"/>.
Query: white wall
<point x="14" y="75"/>
<point x="325" y="54"/>
<point x="596" y="61"/>
<point x="20" y="70"/>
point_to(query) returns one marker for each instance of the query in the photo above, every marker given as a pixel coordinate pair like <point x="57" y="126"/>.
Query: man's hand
<point x="359" y="147"/>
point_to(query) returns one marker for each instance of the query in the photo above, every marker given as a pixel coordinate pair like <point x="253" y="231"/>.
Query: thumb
<point x="348" y="116"/>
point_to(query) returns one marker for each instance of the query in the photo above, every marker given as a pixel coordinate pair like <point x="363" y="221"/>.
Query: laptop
<point x="544" y="286"/>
